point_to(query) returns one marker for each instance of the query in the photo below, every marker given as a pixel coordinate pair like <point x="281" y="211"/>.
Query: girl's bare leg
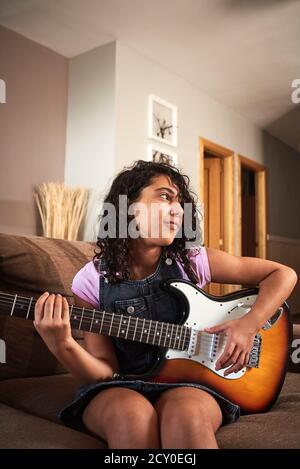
<point x="123" y="418"/>
<point x="189" y="418"/>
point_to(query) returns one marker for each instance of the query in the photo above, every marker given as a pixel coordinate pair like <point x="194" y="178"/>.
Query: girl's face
<point x="158" y="212"/>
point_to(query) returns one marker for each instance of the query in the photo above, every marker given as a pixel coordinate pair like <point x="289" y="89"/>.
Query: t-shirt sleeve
<point x="85" y="284"/>
<point x="200" y="263"/>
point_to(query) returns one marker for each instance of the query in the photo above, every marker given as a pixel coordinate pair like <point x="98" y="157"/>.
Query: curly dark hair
<point x="131" y="181"/>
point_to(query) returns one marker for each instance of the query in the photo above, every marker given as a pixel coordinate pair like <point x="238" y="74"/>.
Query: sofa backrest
<point x="29" y="266"/>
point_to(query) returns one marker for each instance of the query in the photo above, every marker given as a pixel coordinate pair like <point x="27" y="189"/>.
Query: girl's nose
<point x="176" y="210"/>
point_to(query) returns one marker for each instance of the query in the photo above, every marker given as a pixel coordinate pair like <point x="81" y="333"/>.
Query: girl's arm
<point x="52" y="321"/>
<point x="275" y="281"/>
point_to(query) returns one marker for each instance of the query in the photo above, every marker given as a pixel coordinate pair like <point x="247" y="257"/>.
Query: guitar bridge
<point x="253" y="361"/>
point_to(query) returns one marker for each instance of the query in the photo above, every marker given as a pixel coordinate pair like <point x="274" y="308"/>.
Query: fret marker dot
<point x="75" y="317"/>
<point x="97" y="321"/>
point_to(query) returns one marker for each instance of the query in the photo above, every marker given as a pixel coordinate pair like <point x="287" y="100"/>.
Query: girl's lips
<point x="172" y="224"/>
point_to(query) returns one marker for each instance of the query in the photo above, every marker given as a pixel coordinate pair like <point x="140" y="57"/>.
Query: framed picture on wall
<point x="162" y="120"/>
<point x="158" y="153"/>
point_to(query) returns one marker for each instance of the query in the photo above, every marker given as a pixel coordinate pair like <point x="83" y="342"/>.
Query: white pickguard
<point x="207" y="313"/>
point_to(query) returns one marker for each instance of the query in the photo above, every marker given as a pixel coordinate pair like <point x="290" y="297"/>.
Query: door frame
<point x="260" y="205"/>
<point x="229" y="212"/>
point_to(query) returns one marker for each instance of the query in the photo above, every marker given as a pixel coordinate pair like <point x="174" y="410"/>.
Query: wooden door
<point x="252" y="218"/>
<point x="213" y="210"/>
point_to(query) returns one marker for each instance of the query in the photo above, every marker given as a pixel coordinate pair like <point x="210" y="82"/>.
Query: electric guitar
<point x="187" y="354"/>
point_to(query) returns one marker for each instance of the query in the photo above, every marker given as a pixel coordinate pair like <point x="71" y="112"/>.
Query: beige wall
<point x="32" y="127"/>
<point x="287" y="251"/>
<point x="283" y="170"/>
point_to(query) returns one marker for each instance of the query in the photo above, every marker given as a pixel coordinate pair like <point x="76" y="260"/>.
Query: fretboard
<point x="122" y="326"/>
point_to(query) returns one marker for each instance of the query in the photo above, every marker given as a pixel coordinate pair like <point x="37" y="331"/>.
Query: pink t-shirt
<point x="85" y="284"/>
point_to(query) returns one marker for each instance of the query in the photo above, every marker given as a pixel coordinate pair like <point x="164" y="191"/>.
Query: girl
<point x="124" y="278"/>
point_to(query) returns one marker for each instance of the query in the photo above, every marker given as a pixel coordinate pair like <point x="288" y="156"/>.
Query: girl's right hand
<point x="52" y="321"/>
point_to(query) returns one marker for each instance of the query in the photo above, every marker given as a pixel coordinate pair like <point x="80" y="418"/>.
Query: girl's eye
<point x="165" y="194"/>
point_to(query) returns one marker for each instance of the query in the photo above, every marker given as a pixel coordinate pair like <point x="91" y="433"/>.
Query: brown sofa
<point x="34" y="386"/>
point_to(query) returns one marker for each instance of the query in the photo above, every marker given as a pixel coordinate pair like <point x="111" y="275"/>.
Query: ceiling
<point x="243" y="53"/>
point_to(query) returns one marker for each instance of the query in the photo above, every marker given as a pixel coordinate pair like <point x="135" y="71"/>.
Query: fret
<point x="166" y="335"/>
<point x="170" y="341"/>
<point x="120" y="323"/>
<point x="71" y="311"/>
<point x="136" y="323"/>
<point x="145" y="330"/>
<point x="149" y="331"/>
<point x="160" y="332"/>
<point x="177" y="337"/>
<point x="187" y="341"/>
<point x="92" y="320"/>
<point x="111" y="323"/>
<point x="185" y="330"/>
<point x="142" y="330"/>
<point x="125" y="322"/>
<point x="28" y="311"/>
<point x="81" y="318"/>
<point x="126" y="335"/>
<point x="154" y="336"/>
<point x="13" y="306"/>
<point x="103" y="313"/>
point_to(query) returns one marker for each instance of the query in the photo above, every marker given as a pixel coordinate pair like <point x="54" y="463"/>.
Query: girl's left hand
<point x="240" y="336"/>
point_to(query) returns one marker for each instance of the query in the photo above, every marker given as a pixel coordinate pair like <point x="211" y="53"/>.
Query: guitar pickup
<point x="195" y="342"/>
<point x="214" y="346"/>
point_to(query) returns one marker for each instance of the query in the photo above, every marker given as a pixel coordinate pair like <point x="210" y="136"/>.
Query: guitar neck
<point x="130" y="328"/>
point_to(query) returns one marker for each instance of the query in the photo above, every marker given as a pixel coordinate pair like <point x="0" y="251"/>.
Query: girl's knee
<point x="120" y="411"/>
<point x="188" y="410"/>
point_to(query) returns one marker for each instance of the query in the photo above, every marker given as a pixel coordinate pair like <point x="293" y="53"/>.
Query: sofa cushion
<point x="42" y="396"/>
<point x="278" y="428"/>
<point x="20" y="430"/>
<point x="30" y="265"/>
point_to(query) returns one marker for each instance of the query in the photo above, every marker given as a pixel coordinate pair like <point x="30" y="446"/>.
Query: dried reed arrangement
<point x="61" y="209"/>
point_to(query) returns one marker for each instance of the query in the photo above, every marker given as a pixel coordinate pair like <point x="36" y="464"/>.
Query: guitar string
<point x="140" y="332"/>
<point x="98" y="316"/>
<point x="168" y="334"/>
<point x="171" y="337"/>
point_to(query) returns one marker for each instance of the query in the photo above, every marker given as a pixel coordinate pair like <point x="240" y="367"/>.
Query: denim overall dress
<point x="142" y="299"/>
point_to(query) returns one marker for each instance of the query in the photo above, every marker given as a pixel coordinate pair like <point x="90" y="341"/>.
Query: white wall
<point x="198" y="115"/>
<point x="90" y="146"/>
